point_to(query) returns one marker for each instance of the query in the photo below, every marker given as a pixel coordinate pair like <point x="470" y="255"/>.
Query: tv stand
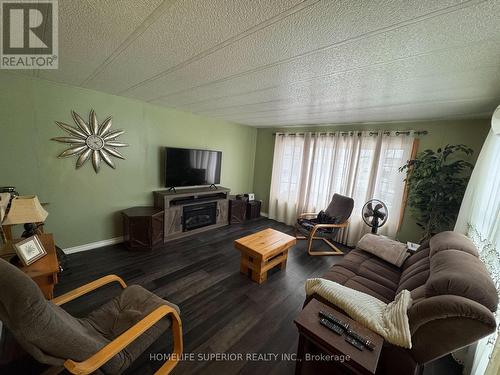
<point x="172" y="188"/>
<point x="178" y="204"/>
<point x="212" y="186"/>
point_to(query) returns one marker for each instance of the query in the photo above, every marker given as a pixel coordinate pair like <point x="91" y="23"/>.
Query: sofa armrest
<point x="439" y="325"/>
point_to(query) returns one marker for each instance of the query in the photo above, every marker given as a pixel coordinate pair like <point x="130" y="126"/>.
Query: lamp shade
<point x="25" y="209"/>
<point x="495" y="121"/>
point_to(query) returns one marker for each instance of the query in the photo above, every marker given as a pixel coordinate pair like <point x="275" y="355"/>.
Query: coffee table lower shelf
<point x="258" y="269"/>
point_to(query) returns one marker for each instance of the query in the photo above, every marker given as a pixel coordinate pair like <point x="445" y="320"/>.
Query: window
<point x="308" y="169"/>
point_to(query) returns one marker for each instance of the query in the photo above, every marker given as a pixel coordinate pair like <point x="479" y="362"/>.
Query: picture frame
<point x="29" y="250"/>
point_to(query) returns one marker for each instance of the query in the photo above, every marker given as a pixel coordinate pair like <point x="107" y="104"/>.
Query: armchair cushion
<point x="122" y="312"/>
<point x="322" y="218"/>
<point x="340" y="207"/>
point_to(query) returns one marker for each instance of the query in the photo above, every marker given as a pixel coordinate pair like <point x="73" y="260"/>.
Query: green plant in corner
<point x="436" y="183"/>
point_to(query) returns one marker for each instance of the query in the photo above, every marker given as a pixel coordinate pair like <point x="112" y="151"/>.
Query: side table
<point x="323" y="351"/>
<point x="237" y="210"/>
<point x="44" y="271"/>
<point x="253" y="209"/>
<point x="143" y="227"/>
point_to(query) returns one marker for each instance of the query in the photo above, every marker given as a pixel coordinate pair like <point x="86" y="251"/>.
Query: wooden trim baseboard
<point x="93" y="245"/>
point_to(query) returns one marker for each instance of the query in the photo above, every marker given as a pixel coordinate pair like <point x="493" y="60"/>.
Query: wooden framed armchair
<point x="107" y="340"/>
<point x="309" y="228"/>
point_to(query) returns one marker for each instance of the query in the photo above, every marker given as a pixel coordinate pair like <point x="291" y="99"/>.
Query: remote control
<point x="334" y="319"/>
<point x="354" y="342"/>
<point x="361" y="339"/>
<point x="332" y="327"/>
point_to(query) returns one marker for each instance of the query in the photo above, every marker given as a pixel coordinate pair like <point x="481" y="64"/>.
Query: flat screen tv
<point x="188" y="167"/>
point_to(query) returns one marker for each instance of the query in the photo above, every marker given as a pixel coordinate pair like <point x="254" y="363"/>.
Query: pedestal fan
<point x="374" y="214"/>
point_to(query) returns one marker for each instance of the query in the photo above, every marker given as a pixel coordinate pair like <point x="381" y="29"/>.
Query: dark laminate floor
<point x="222" y="311"/>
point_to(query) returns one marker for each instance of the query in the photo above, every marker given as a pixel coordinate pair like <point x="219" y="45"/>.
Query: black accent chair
<point x="325" y="225"/>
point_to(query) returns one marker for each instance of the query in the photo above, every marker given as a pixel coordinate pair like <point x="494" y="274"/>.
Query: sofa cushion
<point x="462" y="274"/>
<point x="452" y="240"/>
<point x="367" y="273"/>
<point x="415" y="273"/>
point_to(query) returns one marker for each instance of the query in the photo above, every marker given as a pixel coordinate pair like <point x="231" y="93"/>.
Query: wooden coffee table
<point x="262" y="251"/>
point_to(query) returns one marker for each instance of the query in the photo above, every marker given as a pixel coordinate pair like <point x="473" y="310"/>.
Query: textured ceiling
<point x="288" y="62"/>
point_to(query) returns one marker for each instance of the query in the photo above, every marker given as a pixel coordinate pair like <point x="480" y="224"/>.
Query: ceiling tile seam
<point x="460" y="116"/>
<point x="375" y="107"/>
<point x="366" y="35"/>
<point x="330" y="122"/>
<point x="370" y="122"/>
<point x="252" y="30"/>
<point x="373" y="123"/>
<point x="286" y="100"/>
<point x="289" y="100"/>
<point x="138" y="31"/>
<point x="457" y="116"/>
<point x="326" y="75"/>
<point x="229" y="96"/>
<point x="305" y="116"/>
<point x="330" y="119"/>
<point x="307" y="106"/>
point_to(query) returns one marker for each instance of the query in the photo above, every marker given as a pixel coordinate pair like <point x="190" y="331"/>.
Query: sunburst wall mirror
<point x="91" y="141"/>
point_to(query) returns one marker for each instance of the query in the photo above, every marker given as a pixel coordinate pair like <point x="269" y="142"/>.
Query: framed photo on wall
<point x="30" y="250"/>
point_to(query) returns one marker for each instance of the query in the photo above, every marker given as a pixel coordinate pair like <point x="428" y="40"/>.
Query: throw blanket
<point x="388" y="320"/>
<point x="389" y="250"/>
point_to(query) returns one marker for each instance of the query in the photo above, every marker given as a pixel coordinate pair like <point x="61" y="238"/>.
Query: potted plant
<point x="436" y="183"/>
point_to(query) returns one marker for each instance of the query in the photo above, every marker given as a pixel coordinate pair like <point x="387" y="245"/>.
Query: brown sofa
<point x="453" y="297"/>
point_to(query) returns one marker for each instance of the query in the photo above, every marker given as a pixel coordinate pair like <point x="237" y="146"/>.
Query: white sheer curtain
<point x="309" y="168"/>
<point x="479" y="219"/>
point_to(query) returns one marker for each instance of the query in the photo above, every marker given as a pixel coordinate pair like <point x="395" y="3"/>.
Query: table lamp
<point x="26" y="210"/>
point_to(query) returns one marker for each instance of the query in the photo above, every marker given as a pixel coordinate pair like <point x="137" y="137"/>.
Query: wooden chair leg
<point x="310" y="251"/>
<point x="336" y="250"/>
<point x="310" y="239"/>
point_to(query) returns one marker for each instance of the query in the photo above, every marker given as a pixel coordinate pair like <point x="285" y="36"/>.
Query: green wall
<point x="470" y="132"/>
<point x="84" y="206"/>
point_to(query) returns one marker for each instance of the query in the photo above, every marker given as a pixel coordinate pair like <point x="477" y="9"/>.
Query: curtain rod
<point x="371" y="133"/>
